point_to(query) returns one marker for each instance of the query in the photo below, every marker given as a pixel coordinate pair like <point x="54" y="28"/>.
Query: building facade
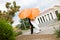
<point x="47" y="17"/>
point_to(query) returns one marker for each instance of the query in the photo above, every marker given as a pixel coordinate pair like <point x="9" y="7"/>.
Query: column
<point x="50" y="15"/>
<point x="54" y="15"/>
<point x="47" y="18"/>
<point x="38" y="20"/>
<point x="41" y="19"/>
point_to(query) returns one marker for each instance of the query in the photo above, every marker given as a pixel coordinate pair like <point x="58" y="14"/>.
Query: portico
<point x="47" y="16"/>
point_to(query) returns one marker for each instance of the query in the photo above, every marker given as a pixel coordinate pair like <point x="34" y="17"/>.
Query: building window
<point x="51" y="15"/>
<point x="48" y="16"/>
<point x="38" y="20"/>
<point x="43" y="19"/>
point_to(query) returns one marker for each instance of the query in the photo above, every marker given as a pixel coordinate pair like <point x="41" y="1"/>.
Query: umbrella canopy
<point x="24" y="13"/>
<point x="34" y="13"/>
<point x="29" y="13"/>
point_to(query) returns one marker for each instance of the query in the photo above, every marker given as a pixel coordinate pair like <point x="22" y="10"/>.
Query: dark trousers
<point x="31" y="29"/>
<point x="31" y="26"/>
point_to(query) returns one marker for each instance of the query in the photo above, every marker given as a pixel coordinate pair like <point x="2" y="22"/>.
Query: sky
<point x="41" y="4"/>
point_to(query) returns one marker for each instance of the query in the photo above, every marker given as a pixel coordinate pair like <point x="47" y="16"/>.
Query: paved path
<point x="37" y="37"/>
<point x="45" y="34"/>
<point x="45" y="30"/>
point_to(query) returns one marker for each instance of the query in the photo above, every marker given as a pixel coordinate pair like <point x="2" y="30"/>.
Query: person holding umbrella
<point x="34" y="25"/>
<point x="30" y="14"/>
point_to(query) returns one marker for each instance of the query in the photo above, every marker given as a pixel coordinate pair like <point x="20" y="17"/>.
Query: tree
<point x="24" y="24"/>
<point x="12" y="9"/>
<point x="10" y="13"/>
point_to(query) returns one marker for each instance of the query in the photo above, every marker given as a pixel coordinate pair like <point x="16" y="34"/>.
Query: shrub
<point x="6" y="31"/>
<point x="25" y="25"/>
<point x="58" y="16"/>
<point x="57" y="32"/>
<point x="18" y="32"/>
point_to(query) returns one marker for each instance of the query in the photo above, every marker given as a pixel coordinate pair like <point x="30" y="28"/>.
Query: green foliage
<point x="24" y="24"/>
<point x="18" y="33"/>
<point x="6" y="31"/>
<point x="10" y="13"/>
<point x="57" y="32"/>
<point x="58" y="16"/>
<point x="7" y="4"/>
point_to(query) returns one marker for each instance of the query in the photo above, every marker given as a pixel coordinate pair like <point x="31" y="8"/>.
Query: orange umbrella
<point x="29" y="13"/>
<point x="34" y="13"/>
<point x="24" y="13"/>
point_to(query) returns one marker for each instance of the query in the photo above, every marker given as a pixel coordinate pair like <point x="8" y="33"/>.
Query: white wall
<point x="46" y="17"/>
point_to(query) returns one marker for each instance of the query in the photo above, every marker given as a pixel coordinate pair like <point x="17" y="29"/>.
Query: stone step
<point x="37" y="37"/>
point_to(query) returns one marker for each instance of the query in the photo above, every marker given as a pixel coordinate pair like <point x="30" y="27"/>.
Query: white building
<point x="48" y="16"/>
